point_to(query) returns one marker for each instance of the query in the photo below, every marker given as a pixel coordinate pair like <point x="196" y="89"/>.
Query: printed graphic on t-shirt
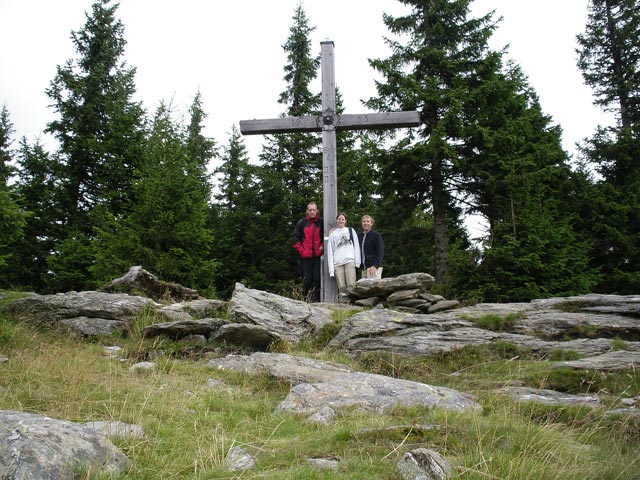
<point x="343" y="240"/>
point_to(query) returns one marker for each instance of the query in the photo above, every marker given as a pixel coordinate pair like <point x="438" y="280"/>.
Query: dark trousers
<point x="311" y="279"/>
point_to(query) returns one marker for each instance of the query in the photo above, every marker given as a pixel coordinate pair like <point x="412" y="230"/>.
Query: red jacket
<point x="308" y="236"/>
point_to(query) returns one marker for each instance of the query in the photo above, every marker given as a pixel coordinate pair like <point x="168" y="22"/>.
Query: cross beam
<point x="327" y="123"/>
<point x="367" y="121"/>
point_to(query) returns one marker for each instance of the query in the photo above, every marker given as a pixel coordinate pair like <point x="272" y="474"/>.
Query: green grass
<point x="190" y="426"/>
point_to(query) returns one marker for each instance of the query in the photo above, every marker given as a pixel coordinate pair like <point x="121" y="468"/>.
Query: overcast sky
<point x="232" y="53"/>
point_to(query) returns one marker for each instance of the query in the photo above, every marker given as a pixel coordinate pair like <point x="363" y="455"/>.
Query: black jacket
<point x="372" y="249"/>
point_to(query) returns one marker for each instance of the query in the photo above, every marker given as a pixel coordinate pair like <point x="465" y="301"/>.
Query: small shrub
<point x="581" y="331"/>
<point x="619" y="344"/>
<point x="496" y="323"/>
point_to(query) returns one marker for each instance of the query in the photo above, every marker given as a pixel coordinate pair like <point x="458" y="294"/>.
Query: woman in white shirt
<point x="343" y="254"/>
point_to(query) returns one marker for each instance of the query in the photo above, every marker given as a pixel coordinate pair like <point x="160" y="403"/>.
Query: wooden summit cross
<point x="327" y="123"/>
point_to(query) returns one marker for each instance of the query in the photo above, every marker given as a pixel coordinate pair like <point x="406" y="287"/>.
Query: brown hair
<point x="343" y="214"/>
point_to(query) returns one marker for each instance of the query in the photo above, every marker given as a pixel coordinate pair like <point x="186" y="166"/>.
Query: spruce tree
<point x="517" y="176"/>
<point x="609" y="58"/>
<point x="12" y="218"/>
<point x="7" y="169"/>
<point x="100" y="132"/>
<point x="37" y="188"/>
<point x="432" y="72"/>
<point x="166" y="231"/>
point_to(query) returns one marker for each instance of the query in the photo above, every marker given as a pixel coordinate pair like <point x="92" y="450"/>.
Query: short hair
<point x="343" y="214"/>
<point x="312" y="203"/>
<point x="369" y="217"/>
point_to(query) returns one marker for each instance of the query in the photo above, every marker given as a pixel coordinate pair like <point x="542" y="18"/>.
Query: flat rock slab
<point x="51" y="309"/>
<point x="610" y="361"/>
<point x="542" y="326"/>
<point x="183" y="328"/>
<point x="373" y="392"/>
<point x="549" y="397"/>
<point x="87" y="327"/>
<point x="280" y="365"/>
<point x="201" y="308"/>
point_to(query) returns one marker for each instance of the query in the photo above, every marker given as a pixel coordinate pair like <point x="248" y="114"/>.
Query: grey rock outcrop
<point x="84" y="313"/>
<point x="291" y="368"/>
<point x="424" y="464"/>
<point x="541" y="326"/>
<point x="35" y="447"/>
<point x="239" y="460"/>
<point x="610" y="361"/>
<point x="290" y="320"/>
<point x="549" y="397"/>
<point x="583" y="324"/>
<point x="246" y="335"/>
<point x="320" y="385"/>
<point x="207" y="327"/>
<point x="137" y="280"/>
<point x="373" y="392"/>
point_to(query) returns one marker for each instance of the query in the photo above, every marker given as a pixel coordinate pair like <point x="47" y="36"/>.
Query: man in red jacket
<point x="308" y="237"/>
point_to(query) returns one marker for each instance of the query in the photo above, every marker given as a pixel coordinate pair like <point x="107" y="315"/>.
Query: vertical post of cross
<point x="329" y="164"/>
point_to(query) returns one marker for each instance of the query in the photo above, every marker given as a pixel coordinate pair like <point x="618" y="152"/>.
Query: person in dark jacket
<point x="308" y="236"/>
<point x="372" y="248"/>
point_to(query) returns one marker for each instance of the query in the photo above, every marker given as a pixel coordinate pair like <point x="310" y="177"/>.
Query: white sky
<point x="231" y="51"/>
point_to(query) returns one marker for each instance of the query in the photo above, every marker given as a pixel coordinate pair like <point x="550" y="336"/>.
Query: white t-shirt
<point x="341" y="250"/>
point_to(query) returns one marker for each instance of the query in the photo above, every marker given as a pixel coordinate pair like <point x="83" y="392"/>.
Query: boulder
<point x="369" y="287"/>
<point x="246" y="335"/>
<point x="88" y="327"/>
<point x="373" y="392"/>
<point x="137" y="280"/>
<point x="424" y="464"/>
<point x="35" y="447"/>
<point x="85" y="313"/>
<point x="207" y="327"/>
<point x="291" y="320"/>
<point x="201" y="308"/>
